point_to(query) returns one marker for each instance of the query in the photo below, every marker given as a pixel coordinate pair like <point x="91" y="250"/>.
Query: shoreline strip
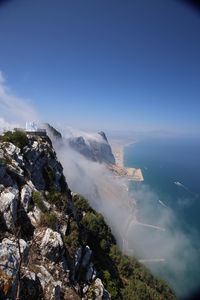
<point x="133" y="173"/>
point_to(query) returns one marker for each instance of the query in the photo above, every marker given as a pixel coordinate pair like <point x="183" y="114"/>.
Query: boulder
<point x="5" y="179"/>
<point x="77" y="258"/>
<point x="86" y="257"/>
<point x="52" y="244"/>
<point x="51" y="287"/>
<point x="8" y="206"/>
<point x="89" y="273"/>
<point x="26" y="195"/>
<point x="99" y="290"/>
<point x="34" y="216"/>
<point x="12" y="161"/>
<point x="9" y="262"/>
<point x="12" y="247"/>
<point x="14" y="152"/>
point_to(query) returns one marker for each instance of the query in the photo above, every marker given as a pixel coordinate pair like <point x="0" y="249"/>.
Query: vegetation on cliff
<point x="124" y="277"/>
<point x="53" y="244"/>
<point x="18" y="138"/>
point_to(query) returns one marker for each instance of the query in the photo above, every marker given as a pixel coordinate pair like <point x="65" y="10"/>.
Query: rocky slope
<point x="53" y="245"/>
<point x="95" y="148"/>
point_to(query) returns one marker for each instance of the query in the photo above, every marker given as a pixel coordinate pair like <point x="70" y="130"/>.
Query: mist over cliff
<point x="108" y="194"/>
<point x="53" y="243"/>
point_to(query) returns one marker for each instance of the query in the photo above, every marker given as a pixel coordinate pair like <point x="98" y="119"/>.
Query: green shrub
<point x="18" y="138"/>
<point x="90" y="222"/>
<point x="136" y="290"/>
<point x="90" y="293"/>
<point x="59" y="199"/>
<point x="125" y="268"/>
<point x="54" y="197"/>
<point x="72" y="238"/>
<point x="81" y="203"/>
<point x="37" y="199"/>
<point x="104" y="245"/>
<point x="49" y="220"/>
<point x="110" y="284"/>
<point x="124" y="277"/>
<point x="97" y="227"/>
<point x="115" y="254"/>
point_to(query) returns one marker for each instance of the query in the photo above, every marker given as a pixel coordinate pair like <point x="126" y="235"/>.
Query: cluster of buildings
<point x="32" y="129"/>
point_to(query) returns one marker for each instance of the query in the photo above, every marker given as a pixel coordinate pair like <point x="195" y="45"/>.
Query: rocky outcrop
<point x="26" y="196"/>
<point x="100" y="292"/>
<point x="55" y="134"/>
<point x="94" y="148"/>
<point x="86" y="257"/>
<point x="12" y="254"/>
<point x="8" y="206"/>
<point x="101" y="133"/>
<point x="52" y="245"/>
<point x="38" y="253"/>
<point x="41" y="162"/>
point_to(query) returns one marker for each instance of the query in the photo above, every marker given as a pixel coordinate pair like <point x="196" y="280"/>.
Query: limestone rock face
<point x="101" y="133"/>
<point x="26" y="195"/>
<point x="53" y="133"/>
<point x="41" y="161"/>
<point x="86" y="257"/>
<point x="39" y="233"/>
<point x="47" y="280"/>
<point x="9" y="247"/>
<point x="8" y="206"/>
<point x="12" y="160"/>
<point x="78" y="256"/>
<point x="34" y="216"/>
<point x="5" y="179"/>
<point x="51" y="240"/>
<point x="14" y="152"/>
<point x="96" y="149"/>
<point x="90" y="272"/>
<point x="10" y="258"/>
<point x="51" y="245"/>
<point x="100" y="292"/>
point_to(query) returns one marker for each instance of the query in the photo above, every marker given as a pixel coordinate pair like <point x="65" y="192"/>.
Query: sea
<point x="168" y="197"/>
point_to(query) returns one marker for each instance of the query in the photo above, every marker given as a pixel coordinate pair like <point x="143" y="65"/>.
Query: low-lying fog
<point x="108" y="194"/>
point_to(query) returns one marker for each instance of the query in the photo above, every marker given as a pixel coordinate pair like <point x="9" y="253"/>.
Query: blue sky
<point x="109" y="64"/>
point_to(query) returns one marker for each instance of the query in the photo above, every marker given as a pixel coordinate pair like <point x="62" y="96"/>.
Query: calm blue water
<point x="164" y="162"/>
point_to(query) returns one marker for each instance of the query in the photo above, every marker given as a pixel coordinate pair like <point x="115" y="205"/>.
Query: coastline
<point x="119" y="168"/>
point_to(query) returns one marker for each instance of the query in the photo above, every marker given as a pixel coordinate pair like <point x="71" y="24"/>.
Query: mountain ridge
<point x="94" y="147"/>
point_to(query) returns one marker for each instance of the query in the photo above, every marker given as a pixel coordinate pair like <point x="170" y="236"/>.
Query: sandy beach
<point x="119" y="168"/>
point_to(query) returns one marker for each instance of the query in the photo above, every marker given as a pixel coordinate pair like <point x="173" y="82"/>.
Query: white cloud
<point x="70" y="132"/>
<point x="4" y="126"/>
<point x="14" y="110"/>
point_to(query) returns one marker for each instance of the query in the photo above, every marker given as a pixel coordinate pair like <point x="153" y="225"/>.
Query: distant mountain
<point x="54" y="132"/>
<point x="94" y="147"/>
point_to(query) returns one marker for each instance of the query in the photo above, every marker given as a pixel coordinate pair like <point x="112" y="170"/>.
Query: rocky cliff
<point x="53" y="245"/>
<point x="94" y="148"/>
